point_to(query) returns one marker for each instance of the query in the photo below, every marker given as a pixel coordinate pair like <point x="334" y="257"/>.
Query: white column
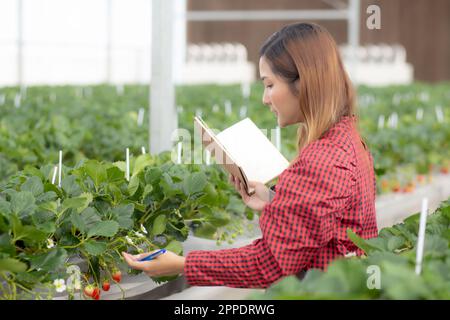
<point x="109" y="18"/>
<point x="353" y="23"/>
<point x="353" y="36"/>
<point x="179" y="40"/>
<point x="19" y="42"/>
<point x="163" y="115"/>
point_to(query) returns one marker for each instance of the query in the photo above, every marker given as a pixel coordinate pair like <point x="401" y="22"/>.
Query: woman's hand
<point x="167" y="264"/>
<point x="256" y="201"/>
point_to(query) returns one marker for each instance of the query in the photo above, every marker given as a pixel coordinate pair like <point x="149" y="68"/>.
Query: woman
<point x="328" y="188"/>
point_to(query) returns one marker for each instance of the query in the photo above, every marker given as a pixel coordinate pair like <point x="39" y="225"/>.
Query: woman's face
<point x="278" y="96"/>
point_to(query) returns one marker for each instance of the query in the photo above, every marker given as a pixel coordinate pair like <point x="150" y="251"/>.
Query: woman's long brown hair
<point x="308" y="53"/>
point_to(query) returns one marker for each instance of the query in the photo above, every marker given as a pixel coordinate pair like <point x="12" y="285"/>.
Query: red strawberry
<point x="396" y="187"/>
<point x="96" y="294"/>
<point x="421" y="178"/>
<point x="117" y="275"/>
<point x="106" y="285"/>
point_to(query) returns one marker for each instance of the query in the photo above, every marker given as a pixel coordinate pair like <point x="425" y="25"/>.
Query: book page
<point x="253" y="151"/>
<point x="211" y="143"/>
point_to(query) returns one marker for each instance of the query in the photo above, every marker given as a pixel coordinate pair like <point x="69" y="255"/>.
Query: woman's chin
<point x="280" y="122"/>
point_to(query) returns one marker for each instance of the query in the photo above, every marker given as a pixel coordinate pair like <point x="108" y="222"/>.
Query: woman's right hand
<point x="256" y="201"/>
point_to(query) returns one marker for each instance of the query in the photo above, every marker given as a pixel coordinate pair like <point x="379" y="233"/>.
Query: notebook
<point x="244" y="151"/>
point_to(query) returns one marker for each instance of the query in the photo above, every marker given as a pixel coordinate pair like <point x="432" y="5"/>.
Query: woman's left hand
<point x="167" y="264"/>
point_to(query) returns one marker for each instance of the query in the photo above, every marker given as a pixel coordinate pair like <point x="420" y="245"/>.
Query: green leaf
<point x="133" y="186"/>
<point x="159" y="225"/>
<point x="195" y="182"/>
<point x="96" y="171"/>
<point x="90" y="217"/>
<point x="49" y="206"/>
<point x="147" y="190"/>
<point x="153" y="175"/>
<point x="402" y="283"/>
<point x="79" y="203"/>
<point x="12" y="265"/>
<point x="211" y="196"/>
<point x="48" y="187"/>
<point x="104" y="229"/>
<point x="395" y="243"/>
<point x="141" y="162"/>
<point x="78" y="222"/>
<point x="85" y="220"/>
<point x="5" y="244"/>
<point x="175" y="246"/>
<point x="23" y="203"/>
<point x="123" y="215"/>
<point x="435" y="246"/>
<point x="5" y="207"/>
<point x="33" y="185"/>
<point x="33" y="171"/>
<point x="29" y="233"/>
<point x="70" y="186"/>
<point x="46" y="227"/>
<point x="121" y="165"/>
<point x="50" y="261"/>
<point x="219" y="217"/>
<point x="235" y="204"/>
<point x="46" y="197"/>
<point x="95" y="248"/>
<point x="115" y="192"/>
<point x="360" y="242"/>
<point x="206" y="230"/>
<point x="115" y="175"/>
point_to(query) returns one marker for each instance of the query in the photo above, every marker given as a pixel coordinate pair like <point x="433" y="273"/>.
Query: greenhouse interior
<point x="224" y="150"/>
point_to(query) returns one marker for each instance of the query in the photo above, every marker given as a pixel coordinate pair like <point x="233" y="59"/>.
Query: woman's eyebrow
<point x="262" y="78"/>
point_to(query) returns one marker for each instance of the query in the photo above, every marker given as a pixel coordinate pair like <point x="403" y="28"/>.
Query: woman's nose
<point x="266" y="100"/>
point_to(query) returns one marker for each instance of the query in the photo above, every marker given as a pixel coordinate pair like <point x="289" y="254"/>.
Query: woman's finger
<point x="132" y="262"/>
<point x="243" y="193"/>
<point x="136" y="264"/>
<point x="236" y="184"/>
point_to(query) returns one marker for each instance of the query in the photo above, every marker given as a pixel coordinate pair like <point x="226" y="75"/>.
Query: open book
<point x="244" y="151"/>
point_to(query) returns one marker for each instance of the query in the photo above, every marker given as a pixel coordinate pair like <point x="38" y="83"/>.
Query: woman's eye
<point x="269" y="86"/>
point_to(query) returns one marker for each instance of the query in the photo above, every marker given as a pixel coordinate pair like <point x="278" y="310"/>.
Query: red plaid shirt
<point x="329" y="188"/>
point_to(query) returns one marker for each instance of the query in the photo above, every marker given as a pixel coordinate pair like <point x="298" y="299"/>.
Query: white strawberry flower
<point x="139" y="235"/>
<point x="77" y="284"/>
<point x="59" y="285"/>
<point x="129" y="240"/>
<point x="143" y="229"/>
<point x="50" y="243"/>
<point x="73" y="285"/>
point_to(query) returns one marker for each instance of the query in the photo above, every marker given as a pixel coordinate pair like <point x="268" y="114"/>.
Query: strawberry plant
<point x="97" y="213"/>
<point x="394" y="253"/>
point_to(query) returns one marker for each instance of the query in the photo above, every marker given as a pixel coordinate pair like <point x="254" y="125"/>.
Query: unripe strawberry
<point x="89" y="290"/>
<point x="117" y="276"/>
